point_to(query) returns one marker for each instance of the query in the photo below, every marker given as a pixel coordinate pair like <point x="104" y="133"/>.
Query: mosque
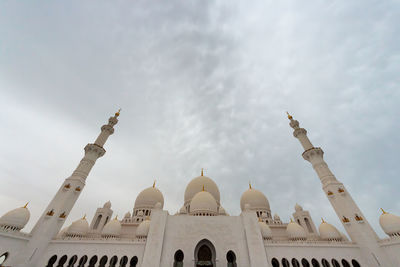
<point x="202" y="233"/>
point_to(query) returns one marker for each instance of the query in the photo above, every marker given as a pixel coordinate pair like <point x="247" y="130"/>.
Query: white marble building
<point x="202" y="233"/>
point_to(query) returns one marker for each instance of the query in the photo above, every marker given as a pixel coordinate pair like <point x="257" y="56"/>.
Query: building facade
<point x="202" y="233"/>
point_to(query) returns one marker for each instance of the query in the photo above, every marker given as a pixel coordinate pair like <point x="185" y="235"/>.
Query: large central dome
<point x="196" y="185"/>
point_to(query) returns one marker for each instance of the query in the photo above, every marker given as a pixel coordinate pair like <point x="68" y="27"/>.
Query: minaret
<point x="60" y="206"/>
<point x="346" y="209"/>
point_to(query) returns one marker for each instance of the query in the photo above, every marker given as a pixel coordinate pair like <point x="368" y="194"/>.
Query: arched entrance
<point x="204" y="254"/>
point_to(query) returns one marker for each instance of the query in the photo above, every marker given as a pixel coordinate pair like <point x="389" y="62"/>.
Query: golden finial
<point x="289" y="116"/>
<point x="203" y="188"/>
<point x="84" y="217"/>
<point x="291" y="219"/>
<point x="26" y="205"/>
<point x="201" y="171"/>
<point x="117" y="113"/>
<point x="322" y="220"/>
<point x="249" y="185"/>
<point x="154" y="184"/>
<point x="116" y="217"/>
<point x="383" y="212"/>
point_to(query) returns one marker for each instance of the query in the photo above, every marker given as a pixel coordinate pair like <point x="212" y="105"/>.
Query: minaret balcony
<point x="96" y="149"/>
<point x="313" y="152"/>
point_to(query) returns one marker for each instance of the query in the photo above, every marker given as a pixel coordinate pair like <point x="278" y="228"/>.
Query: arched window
<point x="335" y="263"/>
<point x="82" y="261"/>
<point x="96" y="224"/>
<point x="72" y="261"/>
<point x="123" y="261"/>
<point x="62" y="260"/>
<point x="355" y="263"/>
<point x="178" y="258"/>
<point x="93" y="261"/>
<point x="295" y="263"/>
<point x="285" y="263"/>
<point x="345" y="263"/>
<point x="308" y="225"/>
<point x="106" y="220"/>
<point x="305" y="263"/>
<point x="113" y="261"/>
<point x="103" y="261"/>
<point x="133" y="261"/>
<point x="4" y="256"/>
<point x="325" y="263"/>
<point x="231" y="258"/>
<point x="315" y="263"/>
<point x="275" y="262"/>
<point x="50" y="263"/>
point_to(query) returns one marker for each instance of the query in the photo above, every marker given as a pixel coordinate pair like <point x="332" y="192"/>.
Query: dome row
<point x="80" y="228"/>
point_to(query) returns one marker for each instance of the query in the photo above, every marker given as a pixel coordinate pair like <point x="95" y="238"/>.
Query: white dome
<point x="182" y="210"/>
<point x="222" y="211"/>
<point x="17" y="218"/>
<point x="295" y="231"/>
<point x="298" y="208"/>
<point x="127" y="215"/>
<point x="196" y="186"/>
<point x="276" y="217"/>
<point x="266" y="232"/>
<point x="203" y="201"/>
<point x="329" y="232"/>
<point x="390" y="223"/>
<point x="112" y="228"/>
<point x="79" y="227"/>
<point x="62" y="232"/>
<point x="256" y="199"/>
<point x="107" y="205"/>
<point x="148" y="198"/>
<point x="143" y="228"/>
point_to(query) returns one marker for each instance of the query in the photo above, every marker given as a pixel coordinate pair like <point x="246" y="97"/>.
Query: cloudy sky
<point x="201" y="84"/>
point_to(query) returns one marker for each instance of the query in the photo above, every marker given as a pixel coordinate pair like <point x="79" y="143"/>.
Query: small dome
<point x="390" y="223"/>
<point x="143" y="228"/>
<point x="79" y="227"/>
<point x="203" y="201"/>
<point x="112" y="228"/>
<point x="107" y="205"/>
<point x="276" y="217"/>
<point x="182" y="210"/>
<point x="127" y="215"/>
<point x="158" y="206"/>
<point x="17" y="218"/>
<point x="62" y="232"/>
<point x="256" y="199"/>
<point x="266" y="232"/>
<point x="298" y="208"/>
<point x="195" y="186"/>
<point x="295" y="231"/>
<point x="148" y="198"/>
<point x="222" y="211"/>
<point x="329" y="232"/>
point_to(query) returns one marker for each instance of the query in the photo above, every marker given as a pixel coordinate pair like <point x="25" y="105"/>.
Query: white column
<point x="346" y="209"/>
<point x="60" y="206"/>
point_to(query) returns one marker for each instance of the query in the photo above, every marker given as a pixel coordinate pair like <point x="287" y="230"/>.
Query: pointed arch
<point x="98" y="219"/>
<point x="204" y="254"/>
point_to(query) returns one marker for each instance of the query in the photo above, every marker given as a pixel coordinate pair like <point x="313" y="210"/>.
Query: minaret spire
<point x="347" y="210"/>
<point x="59" y="208"/>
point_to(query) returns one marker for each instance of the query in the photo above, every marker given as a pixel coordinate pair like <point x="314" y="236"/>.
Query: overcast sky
<point x="201" y="84"/>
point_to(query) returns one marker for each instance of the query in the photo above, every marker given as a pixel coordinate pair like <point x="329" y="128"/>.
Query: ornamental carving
<point x="345" y="219"/>
<point x="63" y="215"/>
<point x="330" y="193"/>
<point x="341" y="190"/>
